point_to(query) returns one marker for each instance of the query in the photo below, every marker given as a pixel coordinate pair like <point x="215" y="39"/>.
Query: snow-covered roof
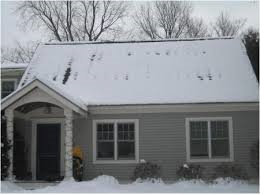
<point x="13" y="65"/>
<point x="148" y="72"/>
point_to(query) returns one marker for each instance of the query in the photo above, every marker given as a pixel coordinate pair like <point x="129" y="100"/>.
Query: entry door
<point x="48" y="151"/>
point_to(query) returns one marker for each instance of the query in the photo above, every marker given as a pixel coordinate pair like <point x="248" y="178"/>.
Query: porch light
<point x="47" y="109"/>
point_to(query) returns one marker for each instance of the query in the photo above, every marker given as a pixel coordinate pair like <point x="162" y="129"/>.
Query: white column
<point x="68" y="143"/>
<point x="10" y="137"/>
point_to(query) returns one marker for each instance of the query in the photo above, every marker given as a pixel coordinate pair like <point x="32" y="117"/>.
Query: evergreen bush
<point x="234" y="171"/>
<point x="146" y="170"/>
<point x="189" y="171"/>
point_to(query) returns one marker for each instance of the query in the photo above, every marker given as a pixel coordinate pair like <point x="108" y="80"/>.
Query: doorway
<point x="48" y="151"/>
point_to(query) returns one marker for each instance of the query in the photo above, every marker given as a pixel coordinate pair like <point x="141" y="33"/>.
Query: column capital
<point x="9" y="113"/>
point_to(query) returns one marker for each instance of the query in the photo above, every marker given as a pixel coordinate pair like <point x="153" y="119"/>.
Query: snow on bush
<point x="234" y="171"/>
<point x="191" y="171"/>
<point x="147" y="170"/>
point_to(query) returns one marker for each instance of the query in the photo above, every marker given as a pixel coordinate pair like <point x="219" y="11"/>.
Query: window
<point x="8" y="86"/>
<point x="219" y="138"/>
<point x="126" y="140"/>
<point x="115" y="141"/>
<point x="105" y="141"/>
<point x="199" y="139"/>
<point x="209" y="139"/>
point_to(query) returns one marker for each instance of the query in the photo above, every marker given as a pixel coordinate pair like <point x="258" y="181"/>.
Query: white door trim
<point x="34" y="143"/>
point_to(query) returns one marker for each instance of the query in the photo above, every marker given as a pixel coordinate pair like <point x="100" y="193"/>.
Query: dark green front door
<point x="48" y="151"/>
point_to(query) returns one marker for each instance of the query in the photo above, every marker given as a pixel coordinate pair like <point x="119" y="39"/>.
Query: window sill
<point x="211" y="160"/>
<point x="115" y="162"/>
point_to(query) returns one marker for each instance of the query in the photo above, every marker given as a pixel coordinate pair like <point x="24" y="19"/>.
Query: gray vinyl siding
<point x="162" y="140"/>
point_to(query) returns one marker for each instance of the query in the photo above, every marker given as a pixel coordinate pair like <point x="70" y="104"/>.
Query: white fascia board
<point x="167" y="108"/>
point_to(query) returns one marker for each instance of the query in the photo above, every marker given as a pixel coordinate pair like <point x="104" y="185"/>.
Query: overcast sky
<point x="208" y="10"/>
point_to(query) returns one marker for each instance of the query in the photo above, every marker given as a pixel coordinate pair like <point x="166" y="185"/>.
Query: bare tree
<point x="173" y="17"/>
<point x="74" y="20"/>
<point x="197" y="28"/>
<point x="146" y="21"/>
<point x="20" y="53"/>
<point x="168" y="19"/>
<point x="226" y="26"/>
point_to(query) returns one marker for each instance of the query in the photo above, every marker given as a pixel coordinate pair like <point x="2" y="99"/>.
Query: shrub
<point x="190" y="171"/>
<point x="230" y="170"/>
<point x="254" y="155"/>
<point x="77" y="168"/>
<point x="5" y="147"/>
<point x="147" y="170"/>
<point x="77" y="163"/>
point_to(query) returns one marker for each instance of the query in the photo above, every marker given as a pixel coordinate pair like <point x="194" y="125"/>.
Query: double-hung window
<point x="209" y="139"/>
<point x="115" y="141"/>
<point x="105" y="140"/>
<point x="7" y="86"/>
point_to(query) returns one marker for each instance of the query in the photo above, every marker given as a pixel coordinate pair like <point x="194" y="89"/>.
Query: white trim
<point x="115" y="161"/>
<point x="210" y="159"/>
<point x="167" y="108"/>
<point x="35" y="122"/>
<point x="6" y="102"/>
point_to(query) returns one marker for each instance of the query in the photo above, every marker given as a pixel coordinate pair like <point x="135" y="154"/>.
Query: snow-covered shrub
<point x="147" y="170"/>
<point x="233" y="171"/>
<point x="189" y="171"/>
<point x="254" y="155"/>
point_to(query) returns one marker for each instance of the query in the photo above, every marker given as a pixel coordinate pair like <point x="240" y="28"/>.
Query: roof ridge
<point x="137" y="41"/>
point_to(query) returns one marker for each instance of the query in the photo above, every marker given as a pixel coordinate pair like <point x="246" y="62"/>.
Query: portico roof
<point x="71" y="102"/>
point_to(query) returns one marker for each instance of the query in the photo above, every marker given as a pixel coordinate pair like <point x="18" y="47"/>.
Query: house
<point x="167" y="101"/>
<point x="11" y="73"/>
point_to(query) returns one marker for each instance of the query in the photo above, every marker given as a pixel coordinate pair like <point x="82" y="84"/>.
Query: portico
<point x="47" y="117"/>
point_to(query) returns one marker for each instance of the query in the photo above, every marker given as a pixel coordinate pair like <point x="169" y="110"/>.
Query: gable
<point x="37" y="91"/>
<point x="198" y="71"/>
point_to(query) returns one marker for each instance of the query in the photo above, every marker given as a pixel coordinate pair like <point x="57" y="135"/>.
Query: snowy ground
<point x="108" y="184"/>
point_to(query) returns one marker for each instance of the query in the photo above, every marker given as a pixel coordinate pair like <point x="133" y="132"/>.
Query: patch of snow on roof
<point x="14" y="65"/>
<point x="152" y="72"/>
<point x="64" y="93"/>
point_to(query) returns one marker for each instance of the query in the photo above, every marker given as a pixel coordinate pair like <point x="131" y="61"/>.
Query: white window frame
<point x="115" y="160"/>
<point x="8" y="80"/>
<point x="210" y="159"/>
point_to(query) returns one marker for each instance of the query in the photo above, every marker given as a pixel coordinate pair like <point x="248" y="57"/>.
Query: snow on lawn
<point x="108" y="184"/>
<point x="8" y="187"/>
